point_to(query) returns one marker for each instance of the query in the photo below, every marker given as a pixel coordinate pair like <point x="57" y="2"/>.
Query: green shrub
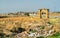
<point x="33" y="30"/>
<point x="57" y="35"/>
<point x="41" y="37"/>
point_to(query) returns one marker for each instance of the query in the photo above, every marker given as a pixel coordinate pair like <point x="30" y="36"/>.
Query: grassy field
<point x="4" y="24"/>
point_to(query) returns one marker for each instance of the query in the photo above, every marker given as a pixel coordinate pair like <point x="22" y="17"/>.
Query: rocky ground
<point x="28" y="29"/>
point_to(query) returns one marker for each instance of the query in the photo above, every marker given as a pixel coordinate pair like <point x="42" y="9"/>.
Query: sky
<point x="7" y="6"/>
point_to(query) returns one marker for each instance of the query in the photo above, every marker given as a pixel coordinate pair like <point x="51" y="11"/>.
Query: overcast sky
<point x="28" y="5"/>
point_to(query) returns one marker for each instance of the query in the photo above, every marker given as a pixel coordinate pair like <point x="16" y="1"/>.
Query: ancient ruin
<point x="41" y="23"/>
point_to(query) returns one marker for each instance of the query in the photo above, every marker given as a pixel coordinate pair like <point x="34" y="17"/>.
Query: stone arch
<point x="44" y="13"/>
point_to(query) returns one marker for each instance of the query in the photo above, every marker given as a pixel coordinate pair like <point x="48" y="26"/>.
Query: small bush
<point x="57" y="35"/>
<point x="41" y="37"/>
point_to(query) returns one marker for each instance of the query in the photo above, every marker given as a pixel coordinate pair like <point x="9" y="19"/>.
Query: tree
<point x="26" y="14"/>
